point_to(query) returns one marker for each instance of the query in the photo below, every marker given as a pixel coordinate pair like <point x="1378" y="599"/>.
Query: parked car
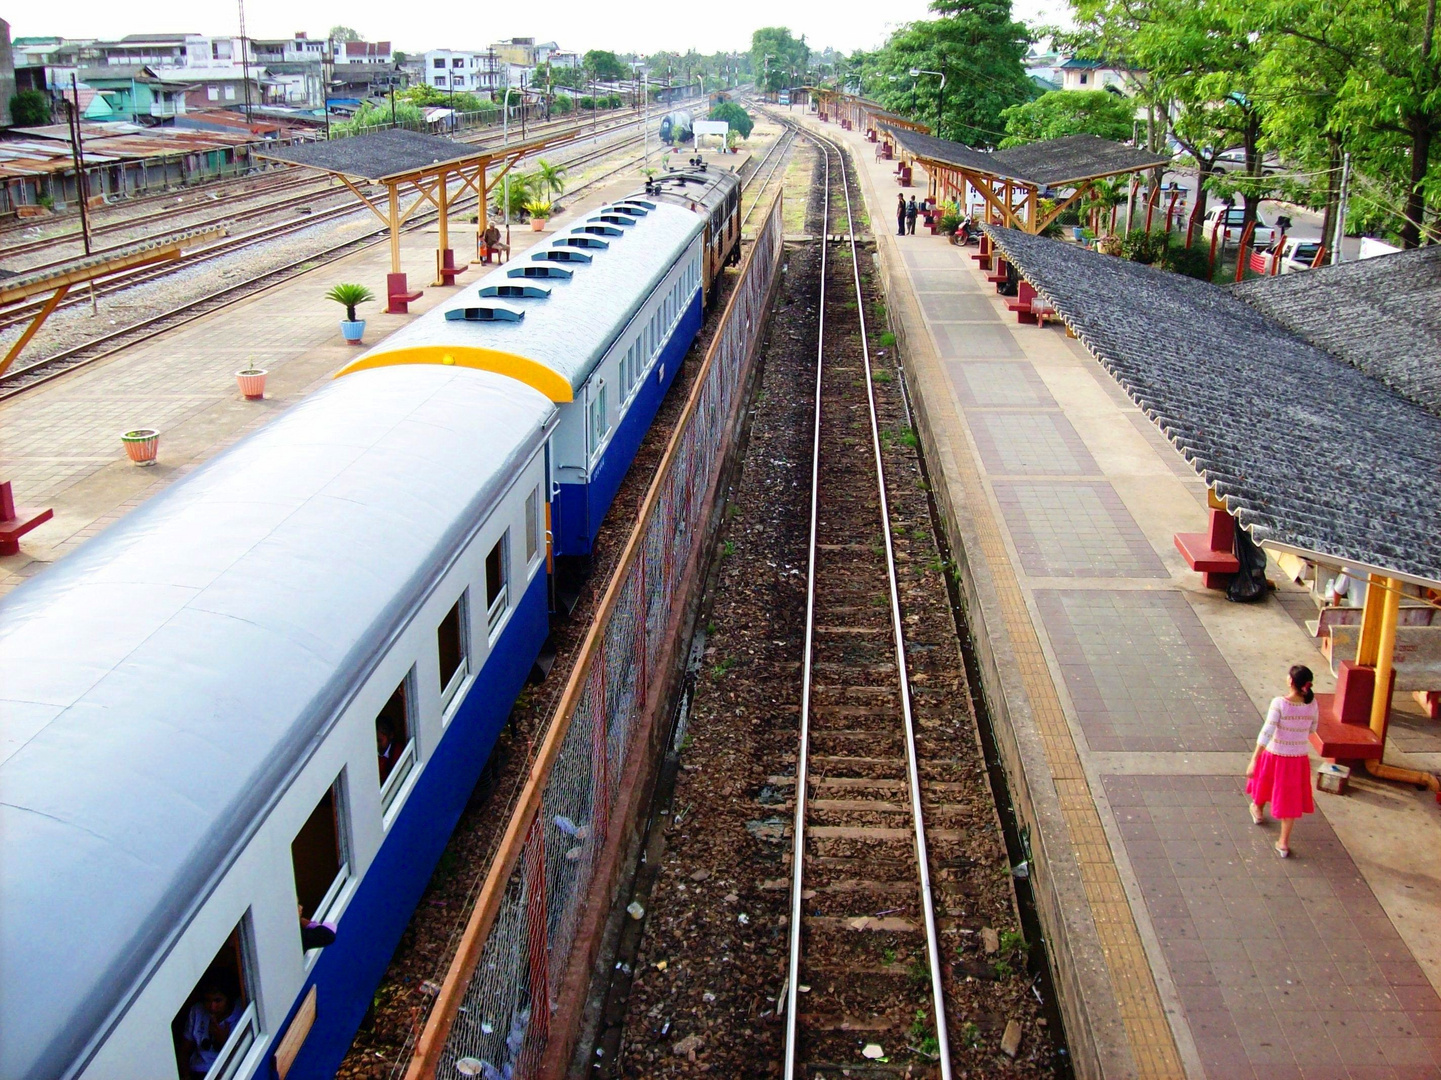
<point x="1233" y="218"/>
<point x="1296" y="254"/>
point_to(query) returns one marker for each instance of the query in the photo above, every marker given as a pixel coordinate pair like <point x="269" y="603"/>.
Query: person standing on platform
<point x="901" y="214"/>
<point x="911" y="211"/>
<point x="1280" y="769"/>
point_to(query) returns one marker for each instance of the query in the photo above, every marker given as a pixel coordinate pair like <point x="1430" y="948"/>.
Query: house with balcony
<point x="464" y="70"/>
<point x="132" y="93"/>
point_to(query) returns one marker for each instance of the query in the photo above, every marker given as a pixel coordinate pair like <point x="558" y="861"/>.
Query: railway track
<point x="22" y="378"/>
<point x="861" y="891"/>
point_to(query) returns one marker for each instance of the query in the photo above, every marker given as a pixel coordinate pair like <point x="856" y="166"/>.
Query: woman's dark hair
<point x="1301" y="678"/>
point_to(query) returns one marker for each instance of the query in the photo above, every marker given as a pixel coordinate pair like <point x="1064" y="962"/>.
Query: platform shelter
<point x="1012" y="182"/>
<point x="859" y="114"/>
<point x="1323" y="446"/>
<point x="420" y="168"/>
<point x="58" y="280"/>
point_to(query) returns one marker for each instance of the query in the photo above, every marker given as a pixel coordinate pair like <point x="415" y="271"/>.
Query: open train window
<point x="452" y="638"/>
<point x="319" y="858"/>
<point x="395" y="743"/>
<point x="497" y="574"/>
<point x="218" y="1023"/>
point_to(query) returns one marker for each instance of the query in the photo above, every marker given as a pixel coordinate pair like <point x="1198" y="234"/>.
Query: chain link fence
<point x="493" y="1017"/>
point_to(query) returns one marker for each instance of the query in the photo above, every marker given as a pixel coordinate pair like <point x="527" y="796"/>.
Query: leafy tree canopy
<point x="786" y="54"/>
<point x="371" y="116"/>
<point x="343" y="33"/>
<point x="977" y="46"/>
<point x="739" y="120"/>
<point x="605" y="66"/>
<point x="1069" y="112"/>
<point x="427" y="96"/>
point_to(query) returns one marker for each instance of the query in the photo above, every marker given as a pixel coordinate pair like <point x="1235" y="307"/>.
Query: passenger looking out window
<point x="394" y="755"/>
<point x="216" y="1023"/>
<point x="317" y="856"/>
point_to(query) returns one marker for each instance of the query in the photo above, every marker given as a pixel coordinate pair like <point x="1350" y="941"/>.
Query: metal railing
<point x="496" y="1013"/>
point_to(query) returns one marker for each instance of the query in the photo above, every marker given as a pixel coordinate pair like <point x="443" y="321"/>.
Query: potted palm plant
<point x="142" y="445"/>
<point x="348" y="296"/>
<point x="539" y="213"/>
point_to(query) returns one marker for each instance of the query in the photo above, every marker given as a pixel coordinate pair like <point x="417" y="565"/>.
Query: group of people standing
<point x="906" y="214"/>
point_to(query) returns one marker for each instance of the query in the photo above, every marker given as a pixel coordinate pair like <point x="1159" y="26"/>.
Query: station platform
<point x="1126" y="700"/>
<point x="61" y="444"/>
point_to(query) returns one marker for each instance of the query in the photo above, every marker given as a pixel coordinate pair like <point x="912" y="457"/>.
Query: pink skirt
<point x="1284" y="782"/>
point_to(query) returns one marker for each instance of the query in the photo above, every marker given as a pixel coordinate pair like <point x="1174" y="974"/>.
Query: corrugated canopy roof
<point x="379" y="155"/>
<point x="1310" y="453"/>
<point x="1052" y="163"/>
<point x="1383" y="315"/>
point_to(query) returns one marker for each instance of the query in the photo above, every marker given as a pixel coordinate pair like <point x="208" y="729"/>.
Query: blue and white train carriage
<point x="258" y="704"/>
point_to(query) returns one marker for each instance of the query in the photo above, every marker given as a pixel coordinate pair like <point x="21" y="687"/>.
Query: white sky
<point x="575" y="24"/>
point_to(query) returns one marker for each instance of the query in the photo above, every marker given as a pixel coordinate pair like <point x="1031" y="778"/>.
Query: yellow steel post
<point x="1369" y="647"/>
<point x="35" y="323"/>
<point x="443" y="241"/>
<point x="394" y="228"/>
<point x="1390" y="613"/>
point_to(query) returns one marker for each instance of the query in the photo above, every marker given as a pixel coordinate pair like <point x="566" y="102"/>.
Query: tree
<point x="29" y="108"/>
<point x="786" y="54"/>
<point x="977" y="46"/>
<point x="605" y="66"/>
<point x="738" y="119"/>
<point x="371" y="116"/>
<point x="548" y="180"/>
<point x="343" y="33"/>
<point x="1069" y="112"/>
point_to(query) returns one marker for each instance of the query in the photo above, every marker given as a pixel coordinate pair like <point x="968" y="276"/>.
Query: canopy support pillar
<point x="35" y="324"/>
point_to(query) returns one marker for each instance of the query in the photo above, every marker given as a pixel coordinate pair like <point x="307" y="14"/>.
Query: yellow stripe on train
<point x="533" y="374"/>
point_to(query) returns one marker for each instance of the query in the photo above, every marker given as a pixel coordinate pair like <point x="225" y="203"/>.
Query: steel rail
<point x="912" y="765"/>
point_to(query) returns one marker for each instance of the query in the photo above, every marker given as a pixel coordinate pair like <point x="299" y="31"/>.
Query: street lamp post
<point x="916" y="73"/>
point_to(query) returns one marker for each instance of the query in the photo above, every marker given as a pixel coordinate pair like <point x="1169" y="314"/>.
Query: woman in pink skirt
<point x="1280" y="769"/>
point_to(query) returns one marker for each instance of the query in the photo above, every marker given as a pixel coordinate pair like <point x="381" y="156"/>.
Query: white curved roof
<point x="570" y="331"/>
<point x="160" y="687"/>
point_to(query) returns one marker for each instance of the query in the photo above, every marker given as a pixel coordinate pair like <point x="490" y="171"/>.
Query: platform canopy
<point x="59" y="278"/>
<point x="863" y="114"/>
<point x="411" y="161"/>
<point x="1313" y="453"/>
<point x="1011" y="181"/>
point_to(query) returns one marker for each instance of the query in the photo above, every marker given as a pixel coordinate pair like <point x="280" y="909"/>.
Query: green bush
<point x="1193" y="262"/>
<point x="739" y="120"/>
<point x="949" y="223"/>
<point x="1144" y="247"/>
<point x="30" y="108"/>
<point x="563" y="105"/>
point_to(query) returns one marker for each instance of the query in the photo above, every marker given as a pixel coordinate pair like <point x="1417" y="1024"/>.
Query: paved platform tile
<point x="1283" y="967"/>
<point x="952" y="305"/>
<point x="1143" y="673"/>
<point x="925" y="256"/>
<point x="975" y="341"/>
<point x="1020" y="443"/>
<point x="1066" y="528"/>
<point x="999" y="385"/>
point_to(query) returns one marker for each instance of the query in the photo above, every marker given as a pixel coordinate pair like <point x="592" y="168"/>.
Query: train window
<point x="532" y="525"/>
<point x="318" y="857"/>
<point x="218" y="1023"/>
<point x="452" y="638"/>
<point x="598" y="423"/>
<point x="394" y="745"/>
<point x="497" y="573"/>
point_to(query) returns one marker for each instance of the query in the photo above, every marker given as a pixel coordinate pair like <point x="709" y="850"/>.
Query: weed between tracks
<point x="711" y="960"/>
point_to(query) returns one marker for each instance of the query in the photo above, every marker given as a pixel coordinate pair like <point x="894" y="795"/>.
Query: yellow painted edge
<point x="535" y="375"/>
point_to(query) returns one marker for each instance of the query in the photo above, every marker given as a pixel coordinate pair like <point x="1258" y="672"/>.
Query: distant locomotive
<point x="675" y="127"/>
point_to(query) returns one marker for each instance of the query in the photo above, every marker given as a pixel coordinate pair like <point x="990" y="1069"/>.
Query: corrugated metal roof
<point x="161" y="687"/>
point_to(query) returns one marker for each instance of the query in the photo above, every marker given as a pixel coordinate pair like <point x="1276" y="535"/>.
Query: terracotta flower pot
<point x="537" y="224"/>
<point x="252" y="383"/>
<point x="141" y="445"/>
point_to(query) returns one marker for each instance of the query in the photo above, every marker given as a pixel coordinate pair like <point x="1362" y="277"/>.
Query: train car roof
<point x="561" y="338"/>
<point x="160" y="687"/>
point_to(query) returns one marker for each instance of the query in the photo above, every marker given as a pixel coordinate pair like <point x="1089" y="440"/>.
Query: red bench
<point x="1023" y="302"/>
<point x="984" y="255"/>
<point x="446" y="270"/>
<point x="1344" y="732"/>
<point x="1001" y="274"/>
<point x="1211" y="553"/>
<point x="16" y="521"/>
<point x="399" y="294"/>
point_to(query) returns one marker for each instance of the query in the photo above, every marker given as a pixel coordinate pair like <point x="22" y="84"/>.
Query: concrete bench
<point x="399" y="294"/>
<point x="983" y="257"/>
<point x="1022" y="303"/>
<point x="1212" y="553"/>
<point x="1001" y="274"/>
<point x="16" y="521"/>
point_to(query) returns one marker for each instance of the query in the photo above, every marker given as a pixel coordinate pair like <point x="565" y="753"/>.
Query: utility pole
<point x="1342" y="207"/>
<point x="522" y="106"/>
<point x="505" y="141"/>
<point x="82" y="183"/>
<point x="392" y="106"/>
<point x="245" y="62"/>
<point x="327" y="73"/>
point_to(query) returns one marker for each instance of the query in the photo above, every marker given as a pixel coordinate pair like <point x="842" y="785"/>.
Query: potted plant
<point x="141" y="445"/>
<point x="348" y="296"/>
<point x="539" y="213"/>
<point x="950" y="221"/>
<point x="252" y="383"/>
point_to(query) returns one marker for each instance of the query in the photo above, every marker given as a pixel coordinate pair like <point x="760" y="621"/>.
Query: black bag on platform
<point x="1249" y="584"/>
